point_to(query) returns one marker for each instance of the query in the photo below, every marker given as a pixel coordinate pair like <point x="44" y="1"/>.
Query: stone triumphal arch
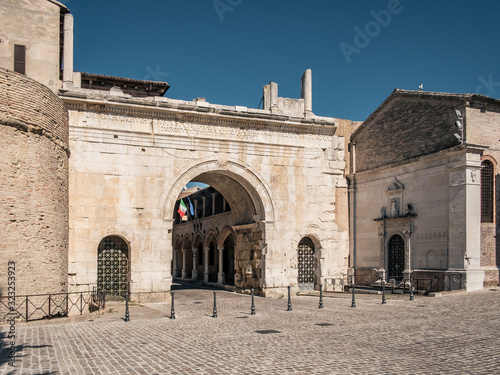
<point x="276" y="174"/>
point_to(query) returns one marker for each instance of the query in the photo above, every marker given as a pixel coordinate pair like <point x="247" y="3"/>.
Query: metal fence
<point x="48" y="306"/>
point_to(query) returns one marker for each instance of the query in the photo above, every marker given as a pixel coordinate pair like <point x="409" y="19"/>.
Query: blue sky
<point x="359" y="51"/>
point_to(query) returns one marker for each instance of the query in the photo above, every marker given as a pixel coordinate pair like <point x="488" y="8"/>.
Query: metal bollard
<point x="383" y="292"/>
<point x="172" y="310"/>
<point x="411" y="289"/>
<point x="320" y="296"/>
<point x="253" y="304"/>
<point x="353" y="302"/>
<point x="289" y="300"/>
<point x="215" y="305"/>
<point x="127" y="313"/>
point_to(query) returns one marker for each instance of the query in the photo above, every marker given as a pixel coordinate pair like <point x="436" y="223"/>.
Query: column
<point x="204" y="199"/>
<point x="220" y="275"/>
<point x="184" y="251"/>
<point x="194" y="276"/>
<point x="206" y="250"/>
<point x="407" y="270"/>
<point x="306" y="92"/>
<point x="68" y="51"/>
<point x="175" y="270"/>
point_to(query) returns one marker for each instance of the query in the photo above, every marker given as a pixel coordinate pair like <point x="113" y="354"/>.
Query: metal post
<point x="172" y="310"/>
<point x="320" y="296"/>
<point x="49" y="306"/>
<point x="383" y="292"/>
<point x="127" y="313"/>
<point x="67" y="304"/>
<point x="411" y="289"/>
<point x="353" y="302"/>
<point x="215" y="305"/>
<point x="81" y="303"/>
<point x="26" y="308"/>
<point x="252" y="312"/>
<point x="289" y="300"/>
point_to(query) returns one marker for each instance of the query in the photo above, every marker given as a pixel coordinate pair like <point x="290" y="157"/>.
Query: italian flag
<point x="182" y="209"/>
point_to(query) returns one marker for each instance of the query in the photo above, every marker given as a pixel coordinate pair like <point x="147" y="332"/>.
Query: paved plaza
<point x="457" y="333"/>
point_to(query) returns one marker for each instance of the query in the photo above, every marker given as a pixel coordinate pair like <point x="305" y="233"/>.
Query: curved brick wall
<point x="33" y="186"/>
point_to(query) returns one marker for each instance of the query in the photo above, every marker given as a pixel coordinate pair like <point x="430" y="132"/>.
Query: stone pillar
<point x="306" y="92"/>
<point x="464" y="240"/>
<point x="194" y="276"/>
<point x="184" y="271"/>
<point x="68" y="51"/>
<point x="195" y="209"/>
<point x="175" y="270"/>
<point x="407" y="270"/>
<point x="220" y="275"/>
<point x="213" y="203"/>
<point x="206" y="251"/>
<point x="271" y="96"/>
<point x="204" y="199"/>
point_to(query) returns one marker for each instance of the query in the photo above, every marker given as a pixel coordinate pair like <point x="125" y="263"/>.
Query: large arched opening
<point x="225" y="216"/>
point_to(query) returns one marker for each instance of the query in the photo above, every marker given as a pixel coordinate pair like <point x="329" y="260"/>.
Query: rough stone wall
<point x="405" y="127"/>
<point x="34" y="185"/>
<point x="36" y="25"/>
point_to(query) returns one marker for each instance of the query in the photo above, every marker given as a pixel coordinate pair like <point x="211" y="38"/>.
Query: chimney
<point x="306" y="92"/>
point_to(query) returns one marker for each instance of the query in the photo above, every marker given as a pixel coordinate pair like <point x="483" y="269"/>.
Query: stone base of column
<point x="220" y="278"/>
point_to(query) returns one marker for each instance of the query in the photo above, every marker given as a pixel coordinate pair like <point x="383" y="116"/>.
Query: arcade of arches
<point x="217" y="241"/>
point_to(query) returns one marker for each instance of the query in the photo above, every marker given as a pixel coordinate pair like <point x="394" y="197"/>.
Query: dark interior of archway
<point x="242" y="205"/>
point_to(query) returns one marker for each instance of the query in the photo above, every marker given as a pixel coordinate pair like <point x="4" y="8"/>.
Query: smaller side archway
<point x="113" y="266"/>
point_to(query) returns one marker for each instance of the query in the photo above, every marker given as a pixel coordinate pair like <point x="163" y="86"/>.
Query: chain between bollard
<point x="127" y="313"/>
<point x="320" y="296"/>
<point x="214" y="315"/>
<point x="289" y="300"/>
<point x="252" y="312"/>
<point x="172" y="310"/>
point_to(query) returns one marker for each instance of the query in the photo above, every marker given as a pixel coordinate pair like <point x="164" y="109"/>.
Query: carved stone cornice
<point x="321" y="128"/>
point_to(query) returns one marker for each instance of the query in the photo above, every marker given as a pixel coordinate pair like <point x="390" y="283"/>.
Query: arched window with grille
<point x="487" y="191"/>
<point x="306" y="264"/>
<point x="113" y="266"/>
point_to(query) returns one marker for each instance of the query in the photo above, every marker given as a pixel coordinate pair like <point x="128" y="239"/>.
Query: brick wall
<point x="405" y="126"/>
<point x="33" y="186"/>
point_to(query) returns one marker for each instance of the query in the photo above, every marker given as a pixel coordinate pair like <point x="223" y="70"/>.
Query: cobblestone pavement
<point x="454" y="334"/>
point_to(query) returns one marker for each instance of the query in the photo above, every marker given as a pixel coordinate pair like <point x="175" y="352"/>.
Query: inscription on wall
<point x="189" y="129"/>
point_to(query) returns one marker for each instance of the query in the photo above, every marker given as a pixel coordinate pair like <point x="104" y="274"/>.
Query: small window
<point x="20" y="59"/>
<point x="487" y="192"/>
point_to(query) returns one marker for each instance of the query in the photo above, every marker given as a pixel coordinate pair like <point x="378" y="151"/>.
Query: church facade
<point x="291" y="198"/>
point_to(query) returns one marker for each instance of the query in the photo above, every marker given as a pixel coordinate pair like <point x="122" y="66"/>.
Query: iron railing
<point x="53" y="305"/>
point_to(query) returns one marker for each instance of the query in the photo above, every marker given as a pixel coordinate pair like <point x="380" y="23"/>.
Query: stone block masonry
<point x="33" y="185"/>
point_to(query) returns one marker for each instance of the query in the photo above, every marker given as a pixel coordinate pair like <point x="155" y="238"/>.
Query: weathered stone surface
<point x="34" y="186"/>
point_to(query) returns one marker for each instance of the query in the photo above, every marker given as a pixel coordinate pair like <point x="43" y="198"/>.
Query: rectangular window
<point x="20" y="59"/>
